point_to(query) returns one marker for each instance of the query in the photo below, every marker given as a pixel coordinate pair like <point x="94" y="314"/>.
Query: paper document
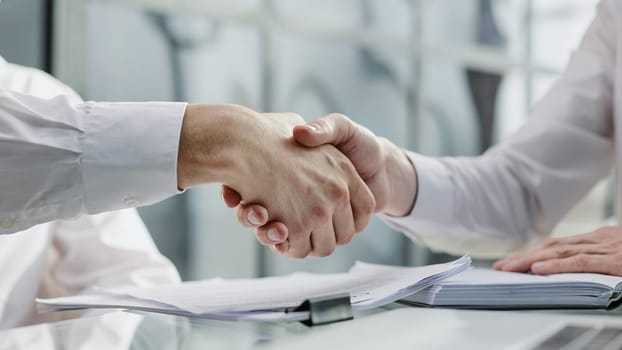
<point x="490" y="289"/>
<point x="271" y="298"/>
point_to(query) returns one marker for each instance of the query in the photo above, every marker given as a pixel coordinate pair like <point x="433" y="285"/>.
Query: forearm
<point x="468" y="205"/>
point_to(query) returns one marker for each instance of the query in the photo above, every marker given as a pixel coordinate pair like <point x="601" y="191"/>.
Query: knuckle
<point x="306" y="225"/>
<point x="345" y="239"/>
<point x="322" y="122"/>
<point x="242" y="217"/>
<point x="320" y="213"/>
<point x="345" y="165"/>
<point x="338" y="191"/>
<point x="322" y="253"/>
<point x="562" y="252"/>
<point x="339" y="117"/>
<point x="297" y="254"/>
<point x="549" y="242"/>
<point x="297" y="235"/>
<point x="360" y="223"/>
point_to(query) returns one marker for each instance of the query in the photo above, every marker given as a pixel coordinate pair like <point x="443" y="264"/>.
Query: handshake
<point x="304" y="188"/>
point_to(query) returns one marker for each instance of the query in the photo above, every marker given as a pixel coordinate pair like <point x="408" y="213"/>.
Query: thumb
<point x="335" y="129"/>
<point x="230" y="196"/>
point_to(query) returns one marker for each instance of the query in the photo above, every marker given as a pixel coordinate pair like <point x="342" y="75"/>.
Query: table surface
<point x="391" y="327"/>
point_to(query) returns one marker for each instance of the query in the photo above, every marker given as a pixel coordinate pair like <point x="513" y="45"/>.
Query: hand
<point x="315" y="193"/>
<point x="382" y="165"/>
<point x="597" y="252"/>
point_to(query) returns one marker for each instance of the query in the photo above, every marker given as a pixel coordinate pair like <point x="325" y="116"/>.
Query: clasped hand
<point x="315" y="197"/>
<point x="383" y="167"/>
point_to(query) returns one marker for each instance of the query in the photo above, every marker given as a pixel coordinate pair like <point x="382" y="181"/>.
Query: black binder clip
<point x="326" y="310"/>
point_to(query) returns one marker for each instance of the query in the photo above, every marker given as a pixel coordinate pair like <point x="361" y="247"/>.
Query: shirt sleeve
<point x="60" y="159"/>
<point x="516" y="192"/>
<point x="107" y="250"/>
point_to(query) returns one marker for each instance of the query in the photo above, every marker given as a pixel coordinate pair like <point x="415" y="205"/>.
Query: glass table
<point x="391" y="327"/>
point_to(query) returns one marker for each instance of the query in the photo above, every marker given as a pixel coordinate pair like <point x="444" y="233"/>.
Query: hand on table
<point x="599" y="251"/>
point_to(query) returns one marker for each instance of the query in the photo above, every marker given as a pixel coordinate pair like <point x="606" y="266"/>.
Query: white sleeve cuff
<point x="130" y="153"/>
<point x="434" y="202"/>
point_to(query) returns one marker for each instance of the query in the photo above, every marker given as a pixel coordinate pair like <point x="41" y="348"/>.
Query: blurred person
<point x="513" y="195"/>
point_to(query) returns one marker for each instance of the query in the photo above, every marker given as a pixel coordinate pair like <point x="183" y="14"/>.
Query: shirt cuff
<point x="434" y="203"/>
<point x="129" y="154"/>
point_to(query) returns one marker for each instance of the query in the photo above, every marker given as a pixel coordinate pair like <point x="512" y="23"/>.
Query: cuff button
<point x="131" y="201"/>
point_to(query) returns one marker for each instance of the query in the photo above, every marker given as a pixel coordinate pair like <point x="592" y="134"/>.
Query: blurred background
<point x="443" y="77"/>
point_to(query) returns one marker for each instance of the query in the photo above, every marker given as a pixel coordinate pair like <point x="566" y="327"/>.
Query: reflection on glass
<point x="113" y="331"/>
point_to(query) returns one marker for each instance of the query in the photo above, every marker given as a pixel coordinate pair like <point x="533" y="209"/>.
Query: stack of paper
<point x="271" y="298"/>
<point x="489" y="289"/>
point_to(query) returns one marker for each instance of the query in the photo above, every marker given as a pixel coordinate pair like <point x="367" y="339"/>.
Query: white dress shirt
<point x="517" y="191"/>
<point x="62" y="159"/>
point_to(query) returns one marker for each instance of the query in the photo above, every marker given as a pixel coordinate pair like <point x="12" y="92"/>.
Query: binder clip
<point x="326" y="310"/>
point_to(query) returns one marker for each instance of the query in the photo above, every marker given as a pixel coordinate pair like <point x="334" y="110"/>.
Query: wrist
<point x="211" y="143"/>
<point x="402" y="181"/>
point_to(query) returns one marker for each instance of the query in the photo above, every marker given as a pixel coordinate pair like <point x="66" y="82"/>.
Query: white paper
<point x="270" y="298"/>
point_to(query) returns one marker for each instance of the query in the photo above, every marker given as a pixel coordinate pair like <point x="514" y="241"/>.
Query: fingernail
<point x="273" y="235"/>
<point x="313" y="127"/>
<point x="510" y="265"/>
<point x="537" y="266"/>
<point x="253" y="219"/>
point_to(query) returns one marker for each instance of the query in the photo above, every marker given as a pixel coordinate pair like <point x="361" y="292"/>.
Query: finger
<point x="522" y="262"/>
<point x="356" y="142"/>
<point x="343" y="223"/>
<point x="323" y="241"/>
<point x="594" y="263"/>
<point x="252" y="215"/>
<point x="560" y="247"/>
<point x="299" y="244"/>
<point x="281" y="248"/>
<point x="585" y="238"/>
<point x="362" y="202"/>
<point x="512" y="260"/>
<point x="498" y="265"/>
<point x="333" y="129"/>
<point x="272" y="233"/>
<point x="230" y="196"/>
